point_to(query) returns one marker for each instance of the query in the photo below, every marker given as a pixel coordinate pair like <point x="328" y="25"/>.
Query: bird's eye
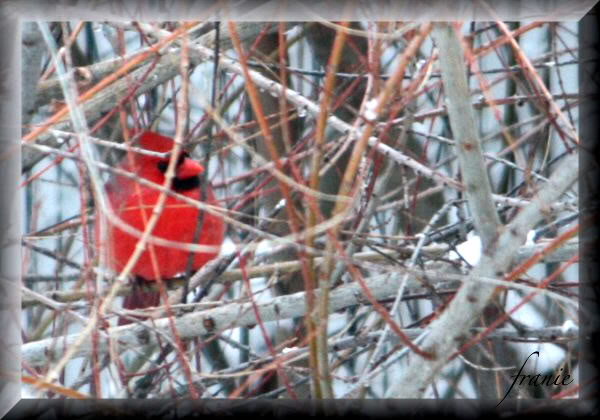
<point x="162" y="166"/>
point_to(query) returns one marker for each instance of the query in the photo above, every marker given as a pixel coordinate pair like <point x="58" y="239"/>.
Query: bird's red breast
<point x="134" y="203"/>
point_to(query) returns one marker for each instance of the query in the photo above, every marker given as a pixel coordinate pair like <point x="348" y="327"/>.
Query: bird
<point x="134" y="202"/>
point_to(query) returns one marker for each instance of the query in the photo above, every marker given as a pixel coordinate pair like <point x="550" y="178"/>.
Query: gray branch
<point x="450" y="328"/>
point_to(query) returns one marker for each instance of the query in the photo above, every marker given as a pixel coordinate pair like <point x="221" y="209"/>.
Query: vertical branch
<point x="283" y="103"/>
<point x="462" y="121"/>
<point x="374" y="109"/>
<point x="182" y="107"/>
<point x="322" y="315"/>
<point x="359" y="147"/>
<point x="95" y="386"/>
<point x="268" y="136"/>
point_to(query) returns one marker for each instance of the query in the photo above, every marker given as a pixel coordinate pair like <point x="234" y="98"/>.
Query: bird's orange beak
<point x="189" y="168"/>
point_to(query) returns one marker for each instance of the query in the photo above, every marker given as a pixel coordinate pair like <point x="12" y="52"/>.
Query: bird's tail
<point x="139" y="298"/>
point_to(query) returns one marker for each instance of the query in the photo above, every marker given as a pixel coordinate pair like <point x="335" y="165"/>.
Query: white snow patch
<point x="470" y="250"/>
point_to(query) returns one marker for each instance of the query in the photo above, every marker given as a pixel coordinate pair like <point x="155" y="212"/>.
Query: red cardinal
<point x="177" y="222"/>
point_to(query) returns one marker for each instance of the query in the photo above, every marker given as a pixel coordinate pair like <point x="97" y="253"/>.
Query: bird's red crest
<point x="150" y="140"/>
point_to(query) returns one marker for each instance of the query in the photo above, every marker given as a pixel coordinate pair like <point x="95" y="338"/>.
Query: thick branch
<point x="462" y="120"/>
<point x="450" y="328"/>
